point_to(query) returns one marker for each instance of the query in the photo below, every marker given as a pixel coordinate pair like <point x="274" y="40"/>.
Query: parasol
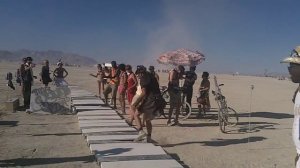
<point x="183" y="57"/>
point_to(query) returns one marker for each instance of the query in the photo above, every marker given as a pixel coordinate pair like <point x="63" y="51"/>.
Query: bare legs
<point x="100" y="88"/>
<point x="177" y="108"/>
<point x="139" y="126"/>
<point x="122" y="102"/>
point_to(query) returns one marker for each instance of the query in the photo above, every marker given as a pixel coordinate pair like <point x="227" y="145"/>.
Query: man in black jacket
<point x="27" y="83"/>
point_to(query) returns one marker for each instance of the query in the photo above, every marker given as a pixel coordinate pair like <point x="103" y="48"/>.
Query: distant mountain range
<point x="51" y="55"/>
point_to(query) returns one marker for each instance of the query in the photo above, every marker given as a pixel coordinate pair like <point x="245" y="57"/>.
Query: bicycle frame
<point x="227" y="116"/>
<point x="222" y="104"/>
<point x="183" y="106"/>
<point x="221" y="100"/>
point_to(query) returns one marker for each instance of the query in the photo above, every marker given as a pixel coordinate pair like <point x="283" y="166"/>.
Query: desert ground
<point x="51" y="140"/>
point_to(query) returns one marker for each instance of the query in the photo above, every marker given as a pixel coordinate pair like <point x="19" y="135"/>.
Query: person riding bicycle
<point x="203" y="99"/>
<point x="174" y="92"/>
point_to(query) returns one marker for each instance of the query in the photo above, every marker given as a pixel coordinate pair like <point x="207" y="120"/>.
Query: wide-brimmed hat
<point x="59" y="63"/>
<point x="294" y="57"/>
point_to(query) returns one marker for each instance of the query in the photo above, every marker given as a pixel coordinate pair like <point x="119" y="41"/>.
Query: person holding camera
<point x="27" y="82"/>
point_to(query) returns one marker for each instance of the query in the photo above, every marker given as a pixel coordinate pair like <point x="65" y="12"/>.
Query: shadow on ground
<point x="220" y="142"/>
<point x="177" y="158"/>
<point x="244" y="127"/>
<point x="9" y="123"/>
<point x="57" y="134"/>
<point x="267" y="115"/>
<point x="43" y="161"/>
<point x="111" y="152"/>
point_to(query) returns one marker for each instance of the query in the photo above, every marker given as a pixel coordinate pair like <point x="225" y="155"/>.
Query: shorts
<point x="175" y="98"/>
<point x="110" y="88"/>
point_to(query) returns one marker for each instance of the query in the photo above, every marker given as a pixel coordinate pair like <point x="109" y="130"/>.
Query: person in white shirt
<point x="294" y="70"/>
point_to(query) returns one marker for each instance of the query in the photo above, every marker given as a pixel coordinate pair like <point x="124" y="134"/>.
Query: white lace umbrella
<point x="181" y="57"/>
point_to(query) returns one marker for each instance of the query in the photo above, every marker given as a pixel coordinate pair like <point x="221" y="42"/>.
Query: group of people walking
<point x="141" y="88"/>
<point x="142" y="91"/>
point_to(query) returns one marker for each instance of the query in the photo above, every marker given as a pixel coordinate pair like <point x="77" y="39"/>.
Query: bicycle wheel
<point x="222" y="123"/>
<point x="166" y="96"/>
<point x="231" y="118"/>
<point x="163" y="113"/>
<point x="185" y="111"/>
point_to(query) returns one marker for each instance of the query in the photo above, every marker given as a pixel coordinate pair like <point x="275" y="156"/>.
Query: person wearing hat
<point x="60" y="74"/>
<point x="22" y="68"/>
<point x="21" y="74"/>
<point x="190" y="78"/>
<point x="294" y="70"/>
<point x="27" y="83"/>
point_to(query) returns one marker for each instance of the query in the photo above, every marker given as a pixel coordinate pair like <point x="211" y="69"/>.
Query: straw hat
<point x="294" y="57"/>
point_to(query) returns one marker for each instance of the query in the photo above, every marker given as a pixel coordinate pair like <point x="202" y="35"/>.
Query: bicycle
<point x="227" y="116"/>
<point x="185" y="107"/>
<point x="203" y="104"/>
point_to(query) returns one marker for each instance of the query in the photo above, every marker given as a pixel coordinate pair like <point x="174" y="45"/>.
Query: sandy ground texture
<point x="267" y="143"/>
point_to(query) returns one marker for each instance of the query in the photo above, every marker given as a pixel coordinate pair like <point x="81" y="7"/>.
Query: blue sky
<point x="247" y="36"/>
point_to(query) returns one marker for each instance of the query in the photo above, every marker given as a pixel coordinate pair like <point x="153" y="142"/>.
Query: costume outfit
<point x="131" y="90"/>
